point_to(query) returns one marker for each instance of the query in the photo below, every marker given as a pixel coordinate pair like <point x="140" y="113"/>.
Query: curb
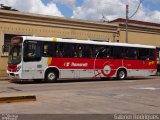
<point x="13" y="99"/>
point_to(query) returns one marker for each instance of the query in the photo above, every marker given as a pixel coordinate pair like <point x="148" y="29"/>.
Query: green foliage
<point x="4" y="7"/>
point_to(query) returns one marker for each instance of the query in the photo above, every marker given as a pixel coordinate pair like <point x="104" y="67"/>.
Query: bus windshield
<point x="15" y="54"/>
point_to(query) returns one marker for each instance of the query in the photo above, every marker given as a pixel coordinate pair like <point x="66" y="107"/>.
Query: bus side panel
<point x="34" y="70"/>
<point x="73" y="67"/>
<point x="107" y="67"/>
<point x="140" y="67"/>
<point x="65" y="73"/>
<point x="80" y="68"/>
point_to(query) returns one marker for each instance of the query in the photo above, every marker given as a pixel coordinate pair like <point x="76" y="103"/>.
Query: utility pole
<point x="127" y="11"/>
<point x="127" y="18"/>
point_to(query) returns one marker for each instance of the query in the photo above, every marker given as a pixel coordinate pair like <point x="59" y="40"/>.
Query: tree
<point x="4" y="7"/>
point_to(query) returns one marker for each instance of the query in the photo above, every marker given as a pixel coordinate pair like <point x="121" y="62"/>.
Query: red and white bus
<point x="53" y="58"/>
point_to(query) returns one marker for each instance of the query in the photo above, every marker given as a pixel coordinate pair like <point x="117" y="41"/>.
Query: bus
<point x="158" y="60"/>
<point x="49" y="59"/>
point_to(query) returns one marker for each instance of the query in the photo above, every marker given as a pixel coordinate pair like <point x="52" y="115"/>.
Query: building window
<point x="7" y="40"/>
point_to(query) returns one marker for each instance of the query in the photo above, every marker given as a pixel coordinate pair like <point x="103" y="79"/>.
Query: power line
<point x="136" y="9"/>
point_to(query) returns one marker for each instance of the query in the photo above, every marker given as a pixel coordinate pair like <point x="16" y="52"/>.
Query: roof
<point x="48" y="18"/>
<point x="121" y="20"/>
<point x="85" y="42"/>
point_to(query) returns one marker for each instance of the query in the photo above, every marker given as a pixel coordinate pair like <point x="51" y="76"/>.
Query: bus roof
<point x="86" y="42"/>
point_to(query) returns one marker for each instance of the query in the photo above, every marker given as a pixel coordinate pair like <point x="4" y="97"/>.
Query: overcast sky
<point x="90" y="9"/>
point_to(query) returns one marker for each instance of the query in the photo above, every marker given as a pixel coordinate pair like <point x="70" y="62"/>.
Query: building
<point x="139" y="32"/>
<point x="17" y="23"/>
<point x="13" y="23"/>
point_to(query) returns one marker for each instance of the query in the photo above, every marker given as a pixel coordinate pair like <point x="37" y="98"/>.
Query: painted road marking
<point x="146" y="88"/>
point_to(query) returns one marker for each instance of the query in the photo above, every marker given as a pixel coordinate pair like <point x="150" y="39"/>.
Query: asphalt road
<point x="141" y="95"/>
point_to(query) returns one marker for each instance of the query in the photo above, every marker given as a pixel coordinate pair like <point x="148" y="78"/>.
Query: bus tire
<point x="121" y="74"/>
<point x="51" y="76"/>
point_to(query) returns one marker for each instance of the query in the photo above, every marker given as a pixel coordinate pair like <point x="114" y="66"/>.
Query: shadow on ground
<point x="78" y="80"/>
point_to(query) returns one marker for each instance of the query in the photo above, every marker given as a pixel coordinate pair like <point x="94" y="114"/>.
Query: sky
<point x="96" y="10"/>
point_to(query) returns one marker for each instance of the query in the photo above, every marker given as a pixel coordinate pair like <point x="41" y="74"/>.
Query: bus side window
<point x="45" y="50"/>
<point x="49" y="49"/>
<point x="131" y="53"/>
<point x="59" y="50"/>
<point x="107" y="53"/>
<point x="144" y="54"/>
<point x="87" y="51"/>
<point x="32" y="51"/>
<point x="99" y="51"/>
<point x="74" y="51"/>
<point x="92" y="51"/>
<point x="152" y="53"/>
<point x="80" y="51"/>
<point x="68" y="50"/>
<point x="96" y="51"/>
<point x="117" y="52"/>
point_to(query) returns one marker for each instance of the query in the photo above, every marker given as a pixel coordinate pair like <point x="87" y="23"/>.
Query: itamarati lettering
<point x="79" y="64"/>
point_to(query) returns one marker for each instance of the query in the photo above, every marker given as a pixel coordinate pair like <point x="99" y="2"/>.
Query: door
<point x="32" y="65"/>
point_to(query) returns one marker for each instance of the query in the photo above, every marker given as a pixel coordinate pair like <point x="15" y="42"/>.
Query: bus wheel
<point x="51" y="76"/>
<point x="121" y="74"/>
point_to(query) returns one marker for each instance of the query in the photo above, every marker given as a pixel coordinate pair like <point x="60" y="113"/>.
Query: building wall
<point x="144" y="38"/>
<point x="12" y="28"/>
<point x="37" y="25"/>
<point x="141" y="38"/>
<point x="19" y="28"/>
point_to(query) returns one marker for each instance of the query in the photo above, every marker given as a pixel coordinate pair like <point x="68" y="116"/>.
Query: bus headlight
<point x="18" y="68"/>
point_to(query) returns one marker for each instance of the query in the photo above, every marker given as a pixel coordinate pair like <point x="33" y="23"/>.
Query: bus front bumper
<point x="13" y="76"/>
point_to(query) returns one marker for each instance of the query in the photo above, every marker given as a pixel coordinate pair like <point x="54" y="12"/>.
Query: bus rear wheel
<point x="51" y="76"/>
<point x="121" y="74"/>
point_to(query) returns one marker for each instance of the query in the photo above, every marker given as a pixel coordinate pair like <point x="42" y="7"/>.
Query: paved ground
<point x="140" y="95"/>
